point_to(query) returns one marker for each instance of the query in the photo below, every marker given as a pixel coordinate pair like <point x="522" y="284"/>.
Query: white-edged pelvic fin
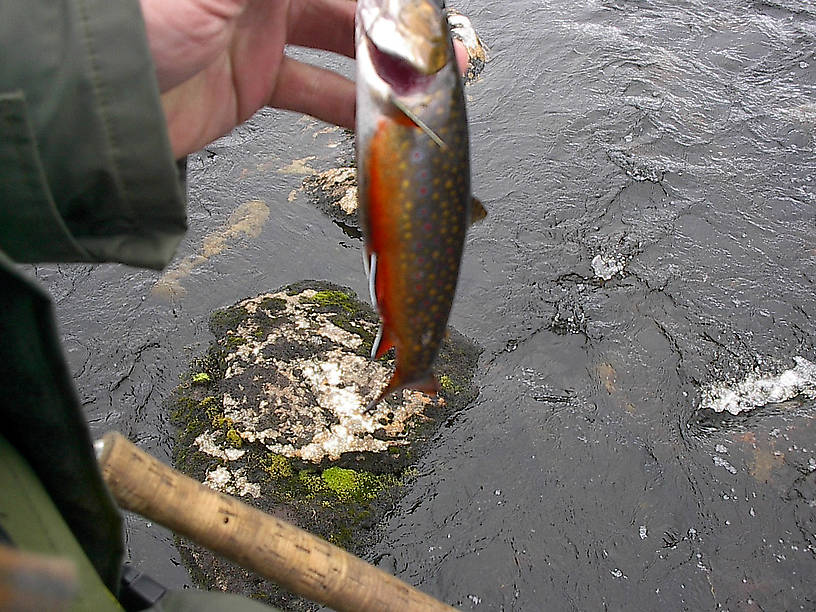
<point x="366" y="257"/>
<point x="371" y="271"/>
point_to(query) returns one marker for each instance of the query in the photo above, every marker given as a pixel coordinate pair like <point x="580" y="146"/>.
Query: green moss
<point x="234" y="439"/>
<point x="312" y="484"/>
<point x="201" y="378"/>
<point x="449" y="386"/>
<point x="184" y="405"/>
<point x="336" y="299"/>
<point x="277" y="466"/>
<point x="408" y="474"/>
<point x="219" y="421"/>
<point x="188" y="415"/>
<point x="351" y="485"/>
<point x="233" y="341"/>
<point x="342" y="537"/>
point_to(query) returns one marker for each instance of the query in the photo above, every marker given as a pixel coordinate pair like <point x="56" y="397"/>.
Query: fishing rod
<point x="291" y="557"/>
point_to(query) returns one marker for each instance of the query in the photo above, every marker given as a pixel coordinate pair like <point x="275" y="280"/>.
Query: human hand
<point x="219" y="61"/>
<point x="462" y="57"/>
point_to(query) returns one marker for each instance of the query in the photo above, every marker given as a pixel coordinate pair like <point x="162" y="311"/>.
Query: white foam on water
<point x="757" y="391"/>
<point x="719" y="461"/>
<point x="606" y="267"/>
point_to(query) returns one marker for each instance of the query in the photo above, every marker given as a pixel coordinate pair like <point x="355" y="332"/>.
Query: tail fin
<point x="426" y="383"/>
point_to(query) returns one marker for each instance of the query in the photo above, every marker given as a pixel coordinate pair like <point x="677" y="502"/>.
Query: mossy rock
<point x="274" y="413"/>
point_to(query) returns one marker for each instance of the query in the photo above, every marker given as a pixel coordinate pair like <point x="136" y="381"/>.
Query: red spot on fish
<point x="423" y="190"/>
<point x="427" y="227"/>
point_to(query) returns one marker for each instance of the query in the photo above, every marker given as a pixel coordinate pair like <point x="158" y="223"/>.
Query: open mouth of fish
<point x="401" y="75"/>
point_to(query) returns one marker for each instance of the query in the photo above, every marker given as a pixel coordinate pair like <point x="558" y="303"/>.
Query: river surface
<point x="649" y="255"/>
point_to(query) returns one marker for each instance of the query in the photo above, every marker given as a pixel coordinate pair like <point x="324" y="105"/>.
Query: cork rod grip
<point x="275" y="549"/>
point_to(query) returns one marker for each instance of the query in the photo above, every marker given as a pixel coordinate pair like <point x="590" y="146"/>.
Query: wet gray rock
<point x="462" y="29"/>
<point x="636" y="167"/>
<point x="275" y="414"/>
<point x="334" y="191"/>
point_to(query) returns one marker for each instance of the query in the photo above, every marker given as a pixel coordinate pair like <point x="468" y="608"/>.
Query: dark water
<point x="672" y="143"/>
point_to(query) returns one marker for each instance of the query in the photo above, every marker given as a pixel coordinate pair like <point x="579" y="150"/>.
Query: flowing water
<point x="649" y="257"/>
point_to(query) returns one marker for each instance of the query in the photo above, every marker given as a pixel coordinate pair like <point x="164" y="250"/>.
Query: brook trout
<point x="413" y="177"/>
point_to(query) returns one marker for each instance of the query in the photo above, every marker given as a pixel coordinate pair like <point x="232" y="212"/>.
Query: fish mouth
<point x="403" y="76"/>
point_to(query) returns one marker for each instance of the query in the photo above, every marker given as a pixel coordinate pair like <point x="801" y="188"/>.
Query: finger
<point x="317" y="92"/>
<point x="323" y="24"/>
<point x="462" y="56"/>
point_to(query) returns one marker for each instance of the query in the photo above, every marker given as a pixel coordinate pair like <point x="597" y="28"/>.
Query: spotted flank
<point x="413" y="179"/>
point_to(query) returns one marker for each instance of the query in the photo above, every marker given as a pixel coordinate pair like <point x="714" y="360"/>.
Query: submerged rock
<point x="334" y="191"/>
<point x="275" y="414"/>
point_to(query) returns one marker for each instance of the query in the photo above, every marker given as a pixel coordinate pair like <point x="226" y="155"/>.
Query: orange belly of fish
<point x="387" y="183"/>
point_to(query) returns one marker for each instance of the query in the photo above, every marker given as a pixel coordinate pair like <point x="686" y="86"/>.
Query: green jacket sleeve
<point x="86" y="169"/>
<point x="86" y="174"/>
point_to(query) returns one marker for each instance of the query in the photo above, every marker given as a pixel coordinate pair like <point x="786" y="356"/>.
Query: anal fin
<point x="382" y="343"/>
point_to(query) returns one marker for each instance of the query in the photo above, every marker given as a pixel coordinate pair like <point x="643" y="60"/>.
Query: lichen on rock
<point x="275" y="414"/>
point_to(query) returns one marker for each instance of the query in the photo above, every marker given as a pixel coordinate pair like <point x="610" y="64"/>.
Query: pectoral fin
<point x="370" y="264"/>
<point x="477" y="210"/>
<point x="418" y="122"/>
